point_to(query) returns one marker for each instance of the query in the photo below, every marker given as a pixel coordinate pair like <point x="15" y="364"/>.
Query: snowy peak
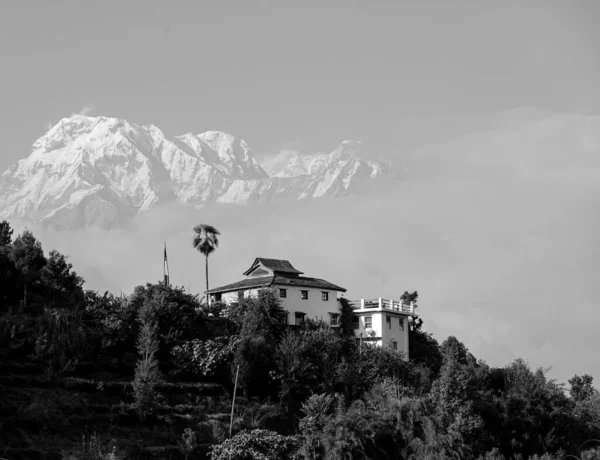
<point x="225" y="152"/>
<point x="100" y="170"/>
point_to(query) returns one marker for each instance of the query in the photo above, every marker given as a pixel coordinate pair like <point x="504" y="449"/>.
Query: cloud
<point x="85" y="110"/>
<point x="498" y="230"/>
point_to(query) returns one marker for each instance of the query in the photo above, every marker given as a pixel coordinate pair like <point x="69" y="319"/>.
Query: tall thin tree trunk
<point x="207" y="296"/>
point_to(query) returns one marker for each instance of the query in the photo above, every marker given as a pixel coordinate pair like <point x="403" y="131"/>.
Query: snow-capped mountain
<point x="98" y="171"/>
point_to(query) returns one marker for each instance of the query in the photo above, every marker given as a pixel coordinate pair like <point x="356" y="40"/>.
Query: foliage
<point x="367" y="366"/>
<point x="6" y="233"/>
<point x="92" y="448"/>
<point x="456" y="390"/>
<point x="216" y="309"/>
<point x="206" y="241"/>
<point x="255" y="445"/>
<point x="188" y="442"/>
<point x="347" y="317"/>
<point x="147" y="374"/>
<point x="113" y="320"/>
<point x="581" y="387"/>
<point x="408" y="297"/>
<point x="262" y="327"/>
<point x="423" y="348"/>
<point x="62" y="338"/>
<point x="63" y="284"/>
<point x="177" y="315"/>
<point x="203" y="357"/>
<point x="317" y="412"/>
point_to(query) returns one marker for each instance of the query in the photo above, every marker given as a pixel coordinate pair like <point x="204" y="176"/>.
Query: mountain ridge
<point x="100" y="171"/>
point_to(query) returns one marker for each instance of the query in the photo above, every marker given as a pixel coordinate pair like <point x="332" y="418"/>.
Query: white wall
<point x="313" y="307"/>
<point x="396" y="332"/>
<point x="382" y="329"/>
<point x="376" y="320"/>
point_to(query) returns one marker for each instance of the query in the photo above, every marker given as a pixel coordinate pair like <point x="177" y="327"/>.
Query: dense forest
<point x="88" y="375"/>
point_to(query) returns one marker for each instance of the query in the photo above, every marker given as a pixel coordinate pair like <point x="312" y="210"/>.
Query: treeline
<point x="317" y="392"/>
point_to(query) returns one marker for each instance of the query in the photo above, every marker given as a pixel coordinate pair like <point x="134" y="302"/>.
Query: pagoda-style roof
<point x="275" y="280"/>
<point x="277" y="266"/>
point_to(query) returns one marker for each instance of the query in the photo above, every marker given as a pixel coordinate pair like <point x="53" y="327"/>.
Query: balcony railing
<point x="387" y="304"/>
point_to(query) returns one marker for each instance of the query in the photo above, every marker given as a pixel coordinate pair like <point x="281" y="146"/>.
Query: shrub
<point x="203" y="357"/>
<point x="93" y="449"/>
<point x="255" y="445"/>
<point x="147" y="374"/>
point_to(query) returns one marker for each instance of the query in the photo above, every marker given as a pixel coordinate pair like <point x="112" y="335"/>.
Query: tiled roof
<point x="277" y="265"/>
<point x="302" y="281"/>
<point x="265" y="281"/>
<point x="248" y="283"/>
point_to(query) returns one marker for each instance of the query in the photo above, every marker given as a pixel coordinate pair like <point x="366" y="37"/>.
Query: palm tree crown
<point x="206" y="241"/>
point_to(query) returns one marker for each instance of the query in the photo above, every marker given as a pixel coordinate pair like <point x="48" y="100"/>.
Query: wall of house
<point x="383" y="330"/>
<point x="313" y="307"/>
<point x="376" y="321"/>
<point x="229" y="297"/>
<point x="397" y="332"/>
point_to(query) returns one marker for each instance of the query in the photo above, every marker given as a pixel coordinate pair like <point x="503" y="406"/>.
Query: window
<point x="218" y="297"/>
<point x="395" y="345"/>
<point x="283" y="293"/>
<point x="388" y="320"/>
<point x="334" y="319"/>
<point x="355" y="322"/>
<point x="285" y="318"/>
<point x="299" y="318"/>
<point x="325" y="296"/>
<point x="240" y="295"/>
<point x="401" y="321"/>
<point x="304" y="295"/>
<point x="368" y="322"/>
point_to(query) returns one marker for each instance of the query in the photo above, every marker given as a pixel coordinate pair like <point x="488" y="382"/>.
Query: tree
<point x="8" y="271"/>
<point x="63" y="283"/>
<point x="176" y="313"/>
<point x="455" y="392"/>
<point x="28" y="256"/>
<point x="581" y="387"/>
<point x="5" y="233"/>
<point x="206" y="242"/>
<point x="347" y="318"/>
<point x="262" y="329"/>
<point x="147" y="374"/>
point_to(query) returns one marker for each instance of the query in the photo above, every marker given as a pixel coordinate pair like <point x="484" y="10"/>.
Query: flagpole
<point x="166" y="273"/>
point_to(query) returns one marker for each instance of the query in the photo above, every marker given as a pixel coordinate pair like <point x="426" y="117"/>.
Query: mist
<point x="497" y="230"/>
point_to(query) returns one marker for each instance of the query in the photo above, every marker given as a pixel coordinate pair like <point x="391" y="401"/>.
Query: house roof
<point x="248" y="283"/>
<point x="267" y="281"/>
<point x="277" y="265"/>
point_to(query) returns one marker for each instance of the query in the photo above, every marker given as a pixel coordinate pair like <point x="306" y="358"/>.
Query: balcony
<point x="384" y="304"/>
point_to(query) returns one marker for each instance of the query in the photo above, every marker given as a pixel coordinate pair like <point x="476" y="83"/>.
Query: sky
<point x="492" y="107"/>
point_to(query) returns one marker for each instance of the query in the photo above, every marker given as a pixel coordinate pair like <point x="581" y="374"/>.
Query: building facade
<point x="301" y="297"/>
<point x="383" y="322"/>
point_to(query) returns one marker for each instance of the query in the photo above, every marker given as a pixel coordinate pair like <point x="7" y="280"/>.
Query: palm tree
<point x="206" y="241"/>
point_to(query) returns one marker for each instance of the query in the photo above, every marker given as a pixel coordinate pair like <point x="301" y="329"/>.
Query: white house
<point x="383" y="322"/>
<point x="380" y="321"/>
<point x="300" y="296"/>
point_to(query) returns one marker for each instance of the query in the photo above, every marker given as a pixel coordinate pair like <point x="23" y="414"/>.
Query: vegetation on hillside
<point x="91" y="375"/>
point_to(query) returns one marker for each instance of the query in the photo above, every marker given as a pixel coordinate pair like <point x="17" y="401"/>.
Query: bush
<point x="255" y="445"/>
<point x="147" y="375"/>
<point x="93" y="449"/>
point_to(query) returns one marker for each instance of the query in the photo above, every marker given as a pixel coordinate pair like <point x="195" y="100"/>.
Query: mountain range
<point x="100" y="171"/>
